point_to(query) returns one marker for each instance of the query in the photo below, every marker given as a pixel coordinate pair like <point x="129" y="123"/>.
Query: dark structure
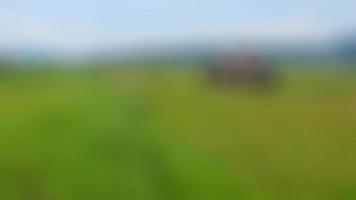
<point x="241" y="70"/>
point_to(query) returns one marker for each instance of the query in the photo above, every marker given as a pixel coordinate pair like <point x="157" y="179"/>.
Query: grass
<point x="168" y="134"/>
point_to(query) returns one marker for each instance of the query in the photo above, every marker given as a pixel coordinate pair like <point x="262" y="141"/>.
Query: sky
<point x="75" y="25"/>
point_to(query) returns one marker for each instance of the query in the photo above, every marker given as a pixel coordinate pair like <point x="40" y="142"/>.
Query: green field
<point x="169" y="134"/>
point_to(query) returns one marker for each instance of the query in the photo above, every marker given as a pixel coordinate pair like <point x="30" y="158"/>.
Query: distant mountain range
<point x="342" y="46"/>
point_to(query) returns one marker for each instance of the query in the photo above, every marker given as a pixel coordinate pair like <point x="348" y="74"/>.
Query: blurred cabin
<point x="243" y="69"/>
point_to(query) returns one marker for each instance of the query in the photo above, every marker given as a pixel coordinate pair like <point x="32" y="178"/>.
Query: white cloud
<point x="22" y="29"/>
<point x="287" y="29"/>
<point x="25" y="30"/>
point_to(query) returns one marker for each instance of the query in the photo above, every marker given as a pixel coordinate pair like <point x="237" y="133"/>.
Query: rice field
<point x="145" y="134"/>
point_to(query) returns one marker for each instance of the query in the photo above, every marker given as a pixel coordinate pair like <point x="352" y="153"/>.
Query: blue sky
<point x="80" y="24"/>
